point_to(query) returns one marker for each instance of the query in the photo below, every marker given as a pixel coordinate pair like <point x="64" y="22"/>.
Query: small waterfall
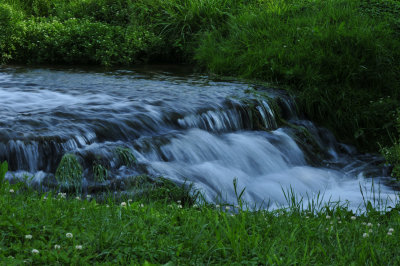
<point x="191" y="128"/>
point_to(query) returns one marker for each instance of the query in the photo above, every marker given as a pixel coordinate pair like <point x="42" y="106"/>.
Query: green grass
<point x="121" y="231"/>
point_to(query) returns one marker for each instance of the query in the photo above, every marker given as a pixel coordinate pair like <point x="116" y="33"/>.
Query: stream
<point x="179" y="125"/>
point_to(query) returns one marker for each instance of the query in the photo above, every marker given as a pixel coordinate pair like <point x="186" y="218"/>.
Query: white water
<point x="184" y="128"/>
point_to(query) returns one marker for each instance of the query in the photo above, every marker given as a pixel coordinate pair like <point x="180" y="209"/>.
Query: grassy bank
<point x="341" y="58"/>
<point x="65" y="229"/>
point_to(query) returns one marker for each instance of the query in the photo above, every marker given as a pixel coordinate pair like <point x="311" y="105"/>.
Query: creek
<point x="179" y="125"/>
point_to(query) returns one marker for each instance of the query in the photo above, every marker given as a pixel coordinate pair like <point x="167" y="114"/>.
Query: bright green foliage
<point x="69" y="172"/>
<point x="121" y="232"/>
<point x="125" y="156"/>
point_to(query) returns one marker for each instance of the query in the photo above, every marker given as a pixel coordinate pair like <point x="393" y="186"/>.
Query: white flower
<point x="107" y="206"/>
<point x="44" y="198"/>
<point x="88" y="196"/>
<point x="180" y="206"/>
<point x="379" y="224"/>
<point x="12" y="191"/>
<point x="78" y="247"/>
<point x="217" y="206"/>
<point x="370" y="230"/>
<point x="328" y="217"/>
<point x="307" y="217"/>
<point x="129" y="200"/>
<point x="142" y="205"/>
<point x="57" y="246"/>
<point x="28" y="236"/>
<point x="82" y="208"/>
<point x="364" y="223"/>
<point x="195" y="206"/>
<point x="339" y="222"/>
<point x="227" y="208"/>
<point x="69" y="235"/>
<point x="35" y="251"/>
<point x="389" y="233"/>
<point x="353" y="217"/>
<point x="78" y="198"/>
<point x="123" y="204"/>
<point x="365" y="235"/>
<point x="369" y="224"/>
<point x="178" y="201"/>
<point x="62" y="195"/>
<point x="331" y="222"/>
<point x="391" y="229"/>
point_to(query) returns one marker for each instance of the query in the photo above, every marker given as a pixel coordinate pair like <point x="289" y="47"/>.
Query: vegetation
<point x="69" y="173"/>
<point x="64" y="229"/>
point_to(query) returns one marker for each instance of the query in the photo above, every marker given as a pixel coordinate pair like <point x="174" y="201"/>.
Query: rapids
<point x="182" y="126"/>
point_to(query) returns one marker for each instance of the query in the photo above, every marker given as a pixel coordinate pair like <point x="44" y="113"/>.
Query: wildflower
<point x="35" y="251"/>
<point x="353" y="217"/>
<point x="178" y="201"/>
<point x="78" y="198"/>
<point x="180" y="206"/>
<point x="142" y="205"/>
<point x="389" y="233"/>
<point x="28" y="236"/>
<point x="44" y="198"/>
<point x="232" y="215"/>
<point x="123" y="204"/>
<point x="195" y="206"/>
<point x="78" y="247"/>
<point x="365" y="235"/>
<point x="107" y="206"/>
<point x="331" y="222"/>
<point x="328" y="217"/>
<point x="339" y="222"/>
<point x="57" y="246"/>
<point x="82" y="208"/>
<point x="217" y="206"/>
<point x="391" y="229"/>
<point x="237" y="206"/>
<point x="69" y="235"/>
<point x="62" y="195"/>
<point x="370" y="230"/>
<point x="88" y="196"/>
<point x="129" y="200"/>
<point x="378" y="224"/>
<point x="364" y="223"/>
<point x="307" y="217"/>
<point x="369" y="225"/>
<point x="12" y="191"/>
<point x="227" y="208"/>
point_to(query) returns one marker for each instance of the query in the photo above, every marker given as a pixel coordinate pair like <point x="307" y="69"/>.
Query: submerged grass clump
<point x="125" y="156"/>
<point x="68" y="230"/>
<point x="69" y="173"/>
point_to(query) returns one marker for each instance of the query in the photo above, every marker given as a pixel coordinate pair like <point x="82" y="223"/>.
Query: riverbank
<point x="68" y="229"/>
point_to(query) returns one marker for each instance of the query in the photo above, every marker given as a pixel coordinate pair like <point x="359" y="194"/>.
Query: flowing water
<point x="180" y="126"/>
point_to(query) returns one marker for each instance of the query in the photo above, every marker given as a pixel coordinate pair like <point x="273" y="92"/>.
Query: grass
<point x="65" y="229"/>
